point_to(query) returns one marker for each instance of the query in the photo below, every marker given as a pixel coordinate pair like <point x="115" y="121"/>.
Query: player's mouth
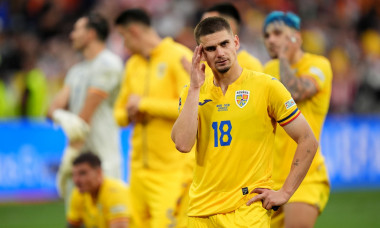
<point x="222" y="62"/>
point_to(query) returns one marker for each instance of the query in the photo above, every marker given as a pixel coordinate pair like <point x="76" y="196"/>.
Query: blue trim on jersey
<point x="291" y="114"/>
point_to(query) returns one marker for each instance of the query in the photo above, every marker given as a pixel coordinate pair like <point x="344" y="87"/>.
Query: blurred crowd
<point x="35" y="48"/>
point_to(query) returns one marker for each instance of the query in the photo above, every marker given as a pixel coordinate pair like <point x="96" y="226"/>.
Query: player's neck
<point x="296" y="57"/>
<point x="93" y="49"/>
<point x="94" y="194"/>
<point x="223" y="80"/>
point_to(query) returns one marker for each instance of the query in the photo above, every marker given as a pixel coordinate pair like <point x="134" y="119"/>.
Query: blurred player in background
<point x="148" y="100"/>
<point x="231" y="117"/>
<point x="96" y="201"/>
<point x="84" y="106"/>
<point x="308" y="78"/>
<point x="229" y="12"/>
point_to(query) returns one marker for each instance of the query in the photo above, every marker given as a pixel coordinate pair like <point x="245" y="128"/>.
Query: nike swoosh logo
<point x="204" y="102"/>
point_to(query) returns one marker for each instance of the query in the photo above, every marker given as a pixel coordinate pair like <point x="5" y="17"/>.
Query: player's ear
<point x="298" y="37"/>
<point x="203" y="54"/>
<point x="236" y="42"/>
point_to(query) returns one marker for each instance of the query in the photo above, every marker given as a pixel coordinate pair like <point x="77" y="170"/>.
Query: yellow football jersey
<point x="245" y="60"/>
<point x="249" y="62"/>
<point x="314" y="109"/>
<point x="111" y="205"/>
<point x="158" y="80"/>
<point x="235" y="140"/>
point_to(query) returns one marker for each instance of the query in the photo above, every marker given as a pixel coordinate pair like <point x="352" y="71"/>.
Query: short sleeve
<point x="106" y="78"/>
<point x="75" y="213"/>
<point x="320" y="71"/>
<point x="282" y="107"/>
<point x="182" y="97"/>
<point x="118" y="203"/>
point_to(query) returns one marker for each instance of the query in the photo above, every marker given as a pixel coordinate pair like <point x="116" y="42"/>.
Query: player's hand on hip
<point x="269" y="198"/>
<point x="197" y="75"/>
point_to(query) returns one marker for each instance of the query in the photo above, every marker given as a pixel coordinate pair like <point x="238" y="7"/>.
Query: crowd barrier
<point x="30" y="152"/>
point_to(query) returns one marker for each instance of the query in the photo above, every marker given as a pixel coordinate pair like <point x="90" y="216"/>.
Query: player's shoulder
<point x="108" y="59"/>
<point x="257" y="76"/>
<point x="261" y="81"/>
<point x="114" y="185"/>
<point x="249" y="61"/>
<point x="314" y="58"/>
<point x="273" y="63"/>
<point x="243" y="54"/>
<point x="77" y="196"/>
<point x="176" y="48"/>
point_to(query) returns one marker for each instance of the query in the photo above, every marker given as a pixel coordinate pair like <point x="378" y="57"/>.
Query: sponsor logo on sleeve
<point x="117" y="209"/>
<point x="290" y="103"/>
<point x="318" y="72"/>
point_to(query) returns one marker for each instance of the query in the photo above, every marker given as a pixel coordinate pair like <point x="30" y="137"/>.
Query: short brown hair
<point x="89" y="158"/>
<point x="211" y="25"/>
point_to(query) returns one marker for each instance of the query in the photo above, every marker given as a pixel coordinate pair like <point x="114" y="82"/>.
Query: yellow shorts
<point x="310" y="191"/>
<point x="154" y="197"/>
<point x="254" y="216"/>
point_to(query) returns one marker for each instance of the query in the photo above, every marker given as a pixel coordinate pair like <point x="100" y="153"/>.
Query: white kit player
<point x="84" y="107"/>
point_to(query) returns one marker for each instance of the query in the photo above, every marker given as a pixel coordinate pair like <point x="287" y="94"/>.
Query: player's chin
<point x="223" y="70"/>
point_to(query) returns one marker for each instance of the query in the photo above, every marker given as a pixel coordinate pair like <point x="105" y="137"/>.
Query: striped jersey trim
<point x="290" y="118"/>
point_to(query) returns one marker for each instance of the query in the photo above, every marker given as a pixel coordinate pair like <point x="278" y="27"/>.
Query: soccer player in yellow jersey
<point x="148" y="100"/>
<point x="96" y="201"/>
<point x="308" y="78"/>
<point x="230" y="119"/>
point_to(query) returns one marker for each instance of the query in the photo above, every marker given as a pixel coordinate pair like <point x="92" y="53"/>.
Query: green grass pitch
<point x="345" y="209"/>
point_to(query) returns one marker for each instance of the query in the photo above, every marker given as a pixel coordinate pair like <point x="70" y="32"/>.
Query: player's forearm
<point x="185" y="128"/>
<point x="119" y="224"/>
<point x="288" y="78"/>
<point x="306" y="149"/>
<point x="164" y="108"/>
<point x="301" y="88"/>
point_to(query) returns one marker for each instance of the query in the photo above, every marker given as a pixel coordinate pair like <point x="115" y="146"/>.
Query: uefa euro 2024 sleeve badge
<point x="241" y="98"/>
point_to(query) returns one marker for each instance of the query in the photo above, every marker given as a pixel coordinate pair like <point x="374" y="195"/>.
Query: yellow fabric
<point x="159" y="81"/>
<point x="245" y="60"/>
<point x="313" y="193"/>
<point x="155" y="196"/>
<point x="253" y="216"/>
<point x="249" y="62"/>
<point x="314" y="109"/>
<point x="240" y="155"/>
<point x="112" y="205"/>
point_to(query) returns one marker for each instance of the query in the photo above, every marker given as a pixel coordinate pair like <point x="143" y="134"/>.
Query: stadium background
<point x="35" y="54"/>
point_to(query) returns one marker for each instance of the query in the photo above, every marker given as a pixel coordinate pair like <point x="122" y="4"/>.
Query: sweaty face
<point x="275" y="35"/>
<point x="219" y="50"/>
<point x="85" y="177"/>
<point x="80" y="34"/>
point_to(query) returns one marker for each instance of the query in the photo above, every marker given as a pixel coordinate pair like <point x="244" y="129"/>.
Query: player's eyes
<point x="223" y="44"/>
<point x="210" y="49"/>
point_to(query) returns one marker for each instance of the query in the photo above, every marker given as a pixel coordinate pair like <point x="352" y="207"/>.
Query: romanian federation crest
<point x="241" y="98"/>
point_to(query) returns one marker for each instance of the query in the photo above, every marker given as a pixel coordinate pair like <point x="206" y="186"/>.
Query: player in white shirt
<point x="84" y="106"/>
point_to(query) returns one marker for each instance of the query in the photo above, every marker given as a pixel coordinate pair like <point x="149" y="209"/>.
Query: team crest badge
<point x="241" y="98"/>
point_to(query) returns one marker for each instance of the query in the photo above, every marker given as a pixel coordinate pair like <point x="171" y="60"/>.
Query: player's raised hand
<point x="269" y="198"/>
<point x="197" y="75"/>
<point x="288" y="46"/>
